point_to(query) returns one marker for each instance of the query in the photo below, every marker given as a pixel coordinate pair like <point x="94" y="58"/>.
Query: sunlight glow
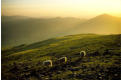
<point x="62" y="8"/>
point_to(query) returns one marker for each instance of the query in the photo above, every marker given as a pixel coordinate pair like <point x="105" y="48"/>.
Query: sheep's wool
<point x="83" y="53"/>
<point x="63" y="59"/>
<point x="48" y="63"/>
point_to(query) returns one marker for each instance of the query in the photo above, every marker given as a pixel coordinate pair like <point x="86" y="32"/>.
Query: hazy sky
<point x="61" y="8"/>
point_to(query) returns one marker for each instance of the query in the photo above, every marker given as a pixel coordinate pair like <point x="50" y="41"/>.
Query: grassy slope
<point x="39" y="29"/>
<point x="34" y="29"/>
<point x="31" y="57"/>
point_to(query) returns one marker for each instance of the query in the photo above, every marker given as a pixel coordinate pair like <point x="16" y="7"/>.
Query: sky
<point x="61" y="8"/>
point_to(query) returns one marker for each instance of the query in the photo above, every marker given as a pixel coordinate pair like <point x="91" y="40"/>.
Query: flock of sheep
<point x="61" y="60"/>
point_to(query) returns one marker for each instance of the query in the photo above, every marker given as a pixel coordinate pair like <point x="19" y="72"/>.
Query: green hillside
<point x="102" y="61"/>
<point x="17" y="29"/>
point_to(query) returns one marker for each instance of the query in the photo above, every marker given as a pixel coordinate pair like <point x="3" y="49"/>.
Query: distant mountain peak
<point x="104" y="17"/>
<point x="105" y="14"/>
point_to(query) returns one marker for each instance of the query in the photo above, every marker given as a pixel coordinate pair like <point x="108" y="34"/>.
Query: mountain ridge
<point x="34" y="30"/>
<point x="102" y="24"/>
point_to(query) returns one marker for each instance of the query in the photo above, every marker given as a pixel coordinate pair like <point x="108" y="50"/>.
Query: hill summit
<point x="16" y="31"/>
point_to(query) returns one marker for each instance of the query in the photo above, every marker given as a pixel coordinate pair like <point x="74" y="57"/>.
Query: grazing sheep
<point x="83" y="53"/>
<point x="62" y="60"/>
<point x="48" y="63"/>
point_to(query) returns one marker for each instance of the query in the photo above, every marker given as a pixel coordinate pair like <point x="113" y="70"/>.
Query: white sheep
<point x="83" y="53"/>
<point x="62" y="59"/>
<point x="48" y="63"/>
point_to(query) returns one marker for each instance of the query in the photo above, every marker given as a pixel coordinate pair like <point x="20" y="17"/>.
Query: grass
<point x="24" y="62"/>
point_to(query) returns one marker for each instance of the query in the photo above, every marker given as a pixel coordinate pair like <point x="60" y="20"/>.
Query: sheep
<point x="83" y="53"/>
<point x="62" y="60"/>
<point x="48" y="63"/>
